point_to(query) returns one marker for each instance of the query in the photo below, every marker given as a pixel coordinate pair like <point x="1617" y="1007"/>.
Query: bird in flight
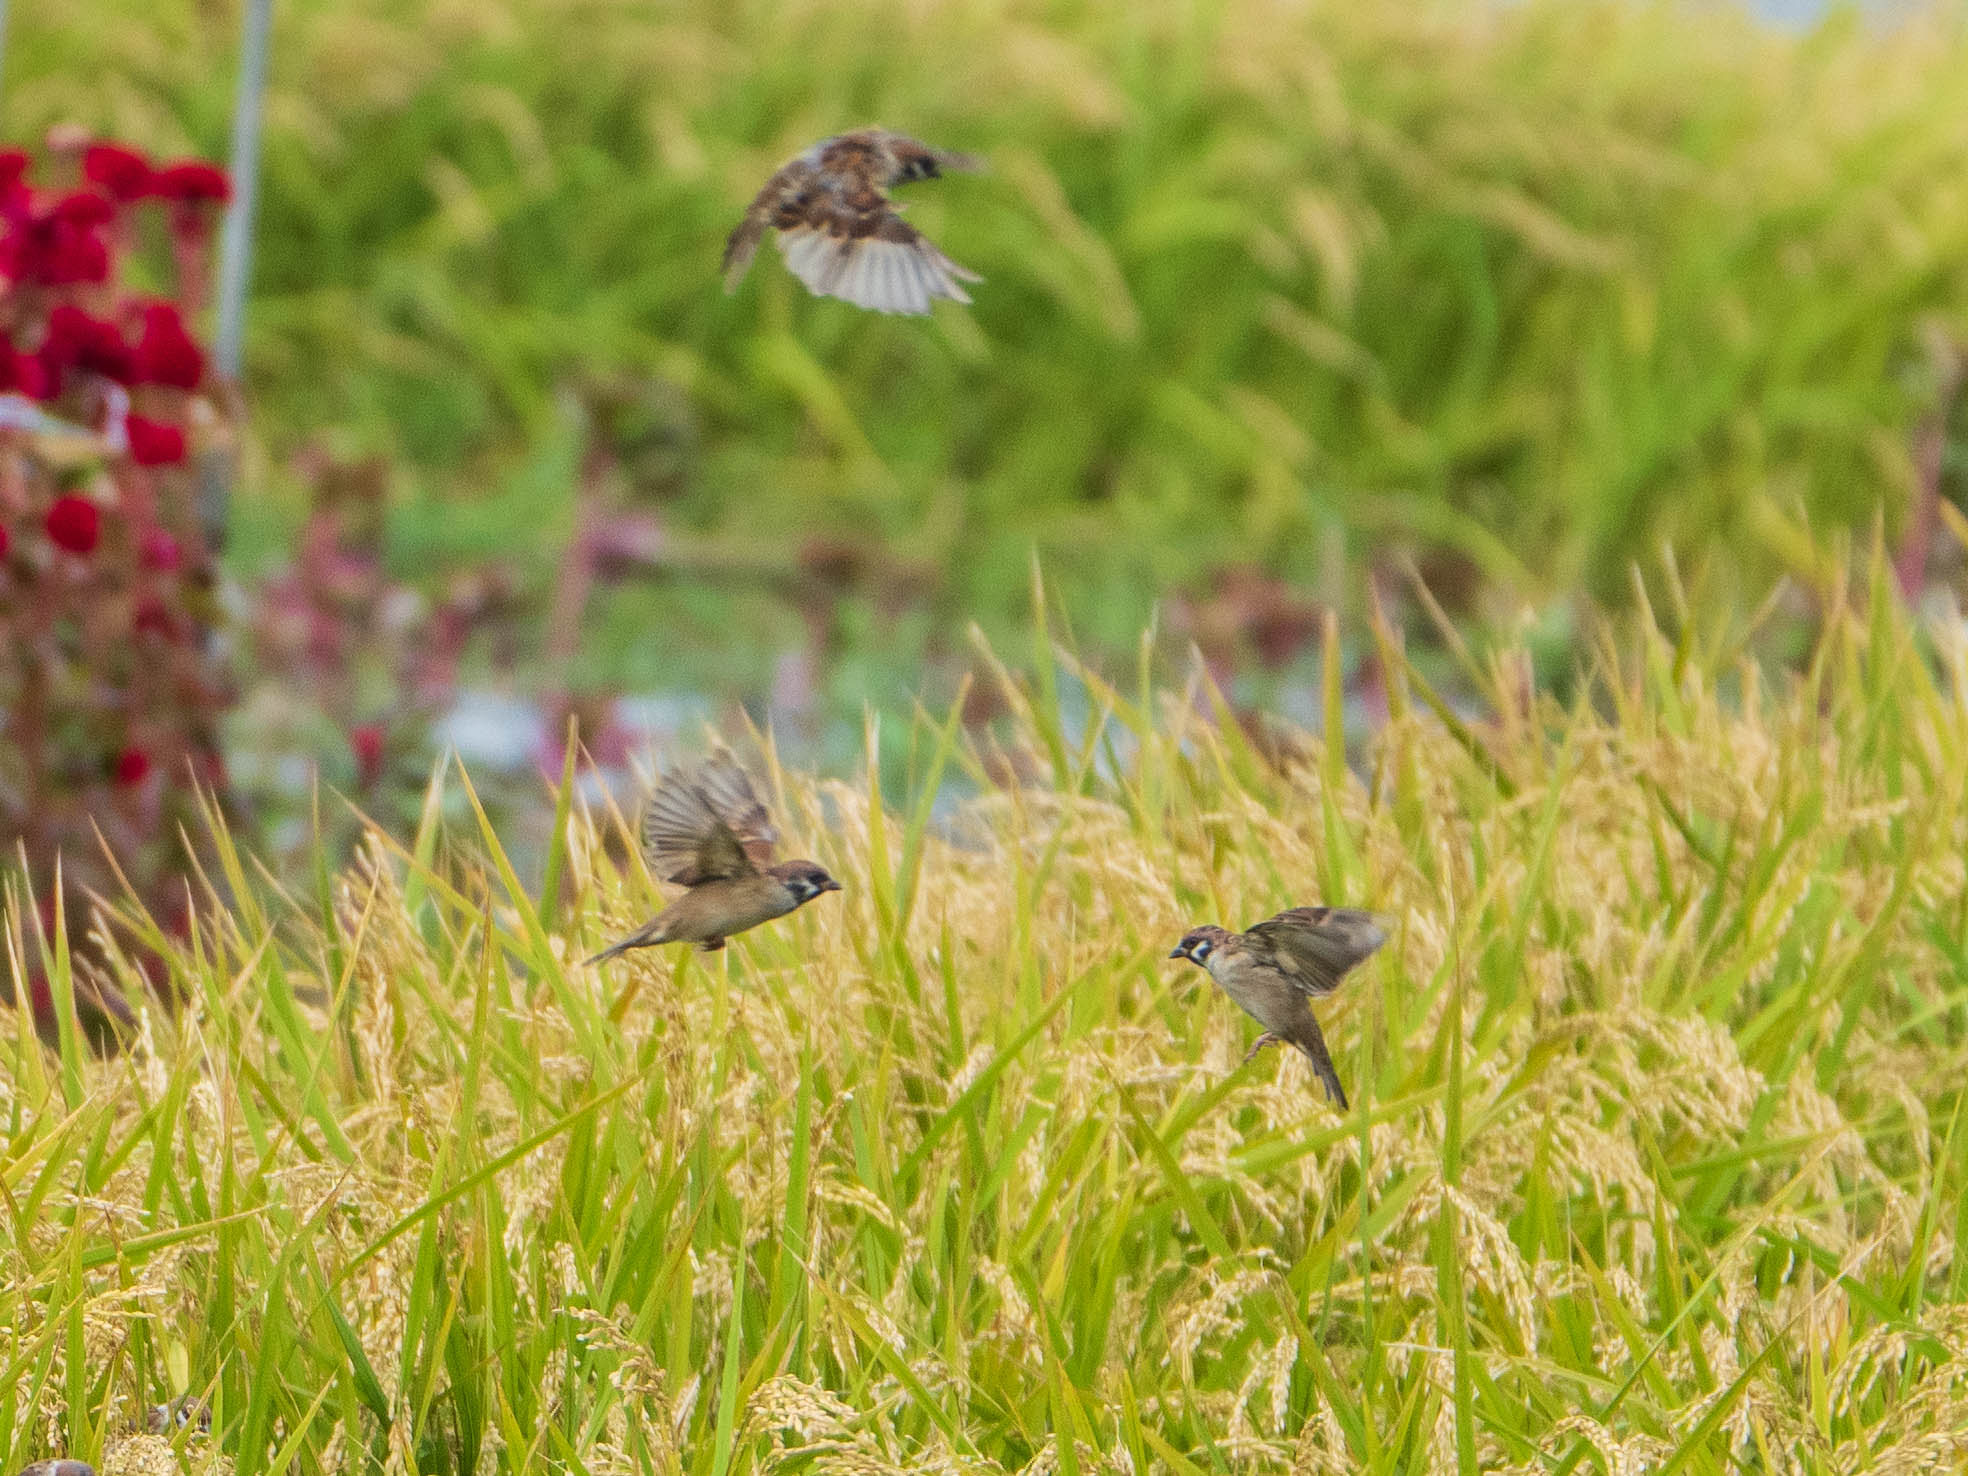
<point x="705" y="830"/>
<point x="840" y="233"/>
<point x="1276" y="968"/>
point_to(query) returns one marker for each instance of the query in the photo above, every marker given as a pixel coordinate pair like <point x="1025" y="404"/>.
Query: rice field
<point x="1656" y="1161"/>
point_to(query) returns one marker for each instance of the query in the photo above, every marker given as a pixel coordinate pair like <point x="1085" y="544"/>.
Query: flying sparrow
<point x="1275" y="969"/>
<point x="705" y="830"/>
<point x="840" y="234"/>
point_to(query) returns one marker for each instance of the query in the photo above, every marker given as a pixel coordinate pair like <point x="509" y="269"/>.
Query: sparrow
<point x="1275" y="969"/>
<point x="705" y="830"/>
<point x="839" y="232"/>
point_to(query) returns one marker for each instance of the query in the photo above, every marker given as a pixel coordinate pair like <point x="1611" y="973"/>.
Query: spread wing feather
<point x="1315" y="947"/>
<point x="705" y="825"/>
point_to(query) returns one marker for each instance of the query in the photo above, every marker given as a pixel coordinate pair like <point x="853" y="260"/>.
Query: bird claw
<point x="1266" y="1039"/>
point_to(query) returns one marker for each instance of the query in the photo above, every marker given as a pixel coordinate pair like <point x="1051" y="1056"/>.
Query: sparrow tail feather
<point x="643" y="937"/>
<point x="1312" y="1042"/>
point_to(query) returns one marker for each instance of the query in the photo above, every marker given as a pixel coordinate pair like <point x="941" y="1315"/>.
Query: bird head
<point x="805" y="881"/>
<point x="1199" y="943"/>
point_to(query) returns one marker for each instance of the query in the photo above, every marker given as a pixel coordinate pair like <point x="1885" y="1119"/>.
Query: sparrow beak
<point x="830" y="885"/>
<point x="1180" y="952"/>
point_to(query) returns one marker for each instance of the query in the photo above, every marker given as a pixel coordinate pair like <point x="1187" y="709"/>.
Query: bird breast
<point x="720" y="908"/>
<point x="1263" y="993"/>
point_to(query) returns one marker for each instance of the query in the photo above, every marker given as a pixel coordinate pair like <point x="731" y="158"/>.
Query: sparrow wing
<point x="1315" y="947"/>
<point x="861" y="251"/>
<point x="728" y="789"/>
<point x="779" y="193"/>
<point x="706" y="825"/>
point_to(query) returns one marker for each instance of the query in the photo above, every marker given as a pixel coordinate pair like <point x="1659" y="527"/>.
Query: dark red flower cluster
<point x="63" y="242"/>
<point x="107" y="552"/>
<point x="74" y="524"/>
<point x="191" y="182"/>
<point x="132" y="766"/>
<point x="58" y="244"/>
<point x="22" y="374"/>
<point x="153" y="443"/>
<point x="123" y="174"/>
<point x="165" y="352"/>
<point x="77" y="339"/>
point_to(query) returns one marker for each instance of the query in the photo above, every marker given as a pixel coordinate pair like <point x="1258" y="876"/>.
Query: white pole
<point x="220" y="465"/>
<point x="236" y="243"/>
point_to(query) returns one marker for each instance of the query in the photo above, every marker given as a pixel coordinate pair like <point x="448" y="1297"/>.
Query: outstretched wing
<point x="1315" y="947"/>
<point x="705" y="825"/>
<point x="855" y="247"/>
<point x="779" y="193"/>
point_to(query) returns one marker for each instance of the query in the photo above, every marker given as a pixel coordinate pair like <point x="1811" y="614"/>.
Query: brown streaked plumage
<point x="1274" y="970"/>
<point x="839" y="232"/>
<point x="705" y="830"/>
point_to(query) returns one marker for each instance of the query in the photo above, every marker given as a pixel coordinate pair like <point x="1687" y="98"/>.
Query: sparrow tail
<point x="1312" y="1042"/>
<point x="643" y="937"/>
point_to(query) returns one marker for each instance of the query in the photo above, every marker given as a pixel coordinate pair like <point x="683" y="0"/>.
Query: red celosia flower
<point x="366" y="740"/>
<point x="84" y="209"/>
<point x="22" y="374"/>
<point x="160" y="551"/>
<point x="192" y="182"/>
<point x="74" y="524"/>
<point x="166" y="353"/>
<point x="132" y="766"/>
<point x="78" y="341"/>
<point x="51" y="249"/>
<point x="125" y="173"/>
<point x="153" y="443"/>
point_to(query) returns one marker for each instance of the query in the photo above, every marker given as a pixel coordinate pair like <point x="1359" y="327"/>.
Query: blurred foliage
<point x="1531" y="288"/>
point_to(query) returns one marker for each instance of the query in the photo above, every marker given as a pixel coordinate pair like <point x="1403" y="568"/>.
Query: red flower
<point x="74" y="524"/>
<point x="13" y="165"/>
<point x="366" y="740"/>
<point x="195" y="189"/>
<point x="22" y="374"/>
<point x="78" y="341"/>
<point x="84" y="209"/>
<point x="160" y="551"/>
<point x="124" y="173"/>
<point x="132" y="766"/>
<point x="3" y="541"/>
<point x="153" y="443"/>
<point x="166" y="353"/>
<point x="57" y="245"/>
<point x="191" y="182"/>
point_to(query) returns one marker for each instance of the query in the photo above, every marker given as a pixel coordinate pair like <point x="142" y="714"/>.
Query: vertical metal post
<point x="236" y="242"/>
<point x="219" y="465"/>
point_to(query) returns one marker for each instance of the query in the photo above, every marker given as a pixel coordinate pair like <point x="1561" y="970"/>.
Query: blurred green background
<point x="1527" y="292"/>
